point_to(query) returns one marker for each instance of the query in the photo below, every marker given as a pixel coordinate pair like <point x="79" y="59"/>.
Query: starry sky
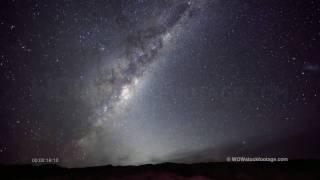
<point x="96" y="82"/>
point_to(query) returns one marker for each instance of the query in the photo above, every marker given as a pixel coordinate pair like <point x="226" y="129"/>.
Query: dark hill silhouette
<point x="259" y="170"/>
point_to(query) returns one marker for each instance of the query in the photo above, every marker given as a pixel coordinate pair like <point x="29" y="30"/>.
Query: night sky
<point x="96" y="82"/>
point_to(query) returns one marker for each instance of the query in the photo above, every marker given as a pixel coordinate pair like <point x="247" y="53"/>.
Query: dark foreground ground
<point x="303" y="170"/>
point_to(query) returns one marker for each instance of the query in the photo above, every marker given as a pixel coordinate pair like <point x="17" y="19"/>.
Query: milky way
<point x="114" y="87"/>
<point x="128" y="82"/>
